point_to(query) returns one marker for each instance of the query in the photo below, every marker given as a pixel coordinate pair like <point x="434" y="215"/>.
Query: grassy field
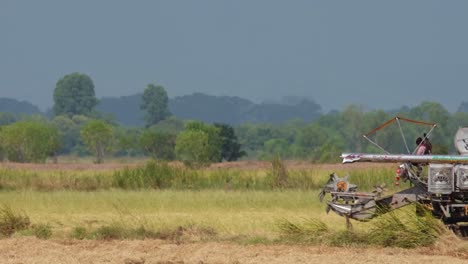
<point x="229" y="213"/>
<point x="157" y="176"/>
<point x="262" y="202"/>
<point x="249" y="204"/>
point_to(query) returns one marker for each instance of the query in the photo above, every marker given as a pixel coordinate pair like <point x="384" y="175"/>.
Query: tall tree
<point x="74" y="95"/>
<point x="98" y="136"/>
<point x="69" y="131"/>
<point x="156" y="104"/>
<point x="230" y="147"/>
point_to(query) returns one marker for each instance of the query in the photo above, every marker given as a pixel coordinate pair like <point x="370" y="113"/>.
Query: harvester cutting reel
<point x="347" y="202"/>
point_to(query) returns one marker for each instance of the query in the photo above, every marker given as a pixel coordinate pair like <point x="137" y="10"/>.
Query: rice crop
<point x="173" y="202"/>
<point x="401" y="228"/>
<point x="160" y="175"/>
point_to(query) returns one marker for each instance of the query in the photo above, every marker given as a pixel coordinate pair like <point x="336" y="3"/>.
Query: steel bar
<point x="363" y="157"/>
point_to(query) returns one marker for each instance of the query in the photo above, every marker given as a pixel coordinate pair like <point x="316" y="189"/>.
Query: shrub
<point x="110" y="232"/>
<point x="158" y="145"/>
<point x="154" y="174"/>
<point x="79" y="233"/>
<point x="199" y="144"/>
<point x="29" y="141"/>
<point x="11" y="221"/>
<point x="42" y="231"/>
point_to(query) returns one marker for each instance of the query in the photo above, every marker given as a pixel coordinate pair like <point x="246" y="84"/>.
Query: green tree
<point x="29" y="141"/>
<point x="214" y="138"/>
<point x="275" y="148"/>
<point x="353" y="127"/>
<point x="69" y="133"/>
<point x="199" y="144"/>
<point x="253" y="137"/>
<point x="230" y="147"/>
<point x="127" y="141"/>
<point x="158" y="145"/>
<point x="156" y="104"/>
<point x="69" y="130"/>
<point x="435" y="112"/>
<point x="74" y="95"/>
<point x="193" y="148"/>
<point x="98" y="137"/>
<point x="311" y="138"/>
<point x="171" y="125"/>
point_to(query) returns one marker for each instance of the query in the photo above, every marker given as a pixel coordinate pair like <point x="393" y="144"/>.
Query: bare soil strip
<point x="32" y="250"/>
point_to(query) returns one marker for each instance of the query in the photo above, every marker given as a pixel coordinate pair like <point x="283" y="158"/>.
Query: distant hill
<point x="236" y="110"/>
<point x="306" y="110"/>
<point x="208" y="108"/>
<point x="198" y="106"/>
<point x="14" y="106"/>
<point x="125" y="109"/>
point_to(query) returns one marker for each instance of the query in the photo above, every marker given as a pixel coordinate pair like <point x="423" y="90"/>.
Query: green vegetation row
<point x="322" y="140"/>
<point x="161" y="175"/>
<point x="75" y="127"/>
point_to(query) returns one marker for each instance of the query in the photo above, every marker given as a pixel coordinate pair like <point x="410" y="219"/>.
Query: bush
<point x="79" y="233"/>
<point x="155" y="175"/>
<point x="42" y="231"/>
<point x="158" y="145"/>
<point x="110" y="232"/>
<point x="29" y="141"/>
<point x="199" y="144"/>
<point x="11" y="222"/>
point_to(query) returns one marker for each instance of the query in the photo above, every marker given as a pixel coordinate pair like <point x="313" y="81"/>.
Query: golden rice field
<point x="233" y="217"/>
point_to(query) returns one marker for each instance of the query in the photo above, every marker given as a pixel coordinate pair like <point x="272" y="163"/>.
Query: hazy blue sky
<point x="381" y="54"/>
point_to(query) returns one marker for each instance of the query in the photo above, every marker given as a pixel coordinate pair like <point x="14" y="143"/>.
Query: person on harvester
<point x="424" y="146"/>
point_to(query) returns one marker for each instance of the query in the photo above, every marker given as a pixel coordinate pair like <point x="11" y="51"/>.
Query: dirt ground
<point x="32" y="250"/>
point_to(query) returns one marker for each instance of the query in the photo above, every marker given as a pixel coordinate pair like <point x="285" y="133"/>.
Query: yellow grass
<point x="230" y="213"/>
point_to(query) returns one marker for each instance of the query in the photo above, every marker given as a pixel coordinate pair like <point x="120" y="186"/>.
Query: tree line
<point x="77" y="128"/>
